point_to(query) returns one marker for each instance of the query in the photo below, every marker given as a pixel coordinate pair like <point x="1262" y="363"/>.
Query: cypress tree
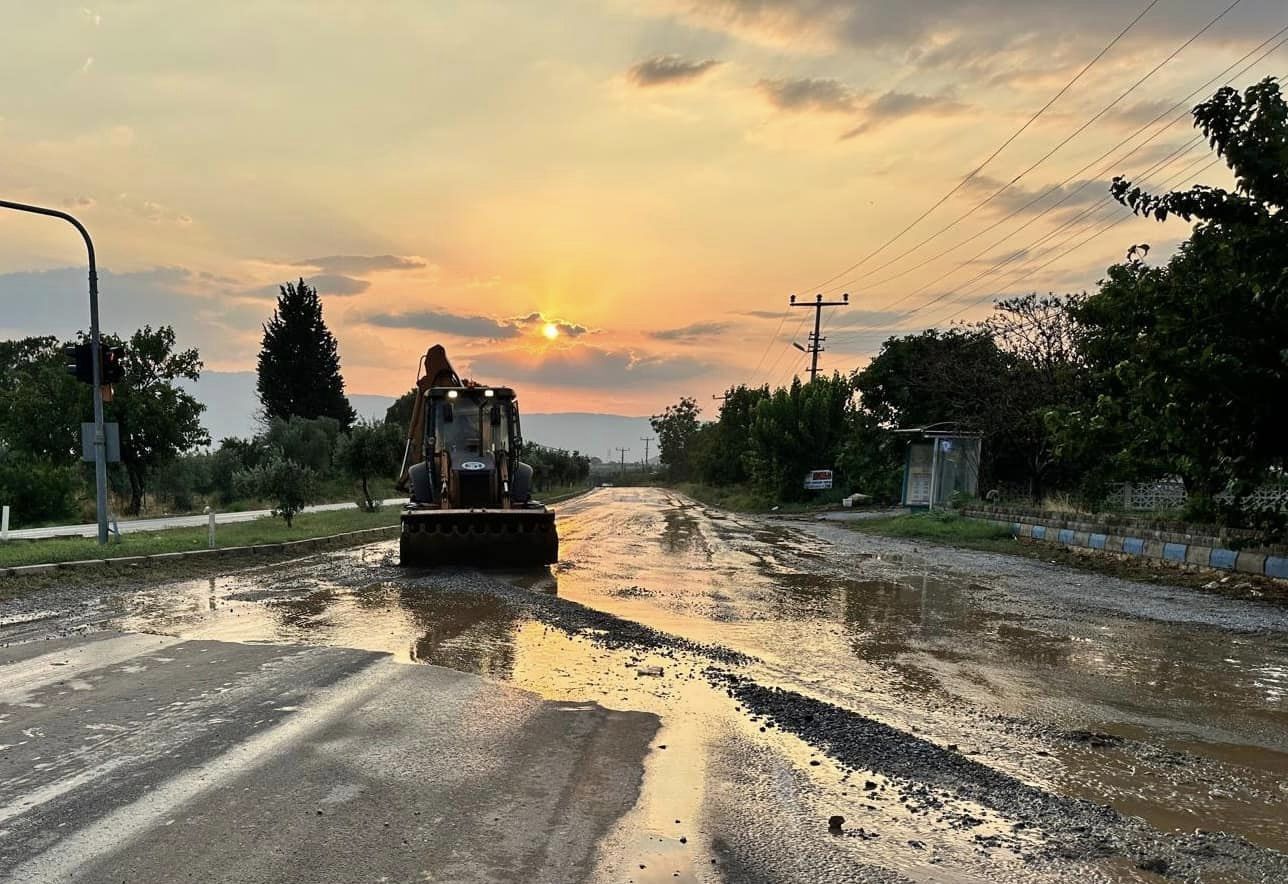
<point x="299" y="366"/>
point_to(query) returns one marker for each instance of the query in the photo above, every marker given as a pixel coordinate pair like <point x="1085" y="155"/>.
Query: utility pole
<point x="100" y="434"/>
<point x="646" y="440"/>
<point x="815" y="340"/>
<point x="622" y="469"/>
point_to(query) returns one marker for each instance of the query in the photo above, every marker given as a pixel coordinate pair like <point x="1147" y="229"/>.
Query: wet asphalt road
<point x="689" y="695"/>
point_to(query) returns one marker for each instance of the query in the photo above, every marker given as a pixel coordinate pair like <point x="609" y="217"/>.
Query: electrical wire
<point x="1098" y="232"/>
<point x="1184" y="148"/>
<point x="1076" y="132"/>
<point x="795" y="335"/>
<point x="1074" y="176"/>
<point x="761" y="361"/>
<point x="971" y="175"/>
<point x="1028" y="249"/>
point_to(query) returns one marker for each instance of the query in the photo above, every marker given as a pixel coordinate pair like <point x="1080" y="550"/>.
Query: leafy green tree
<point x="1191" y="358"/>
<point x="158" y="419"/>
<point x="797" y="429"/>
<point x="37" y="489"/>
<point x="41" y="405"/>
<point x="675" y="428"/>
<point x="310" y="442"/>
<point x="184" y="480"/>
<point x="1046" y="375"/>
<point x="299" y="362"/>
<point x="555" y="467"/>
<point x="287" y="485"/>
<point x="232" y="457"/>
<point x="399" y="414"/>
<point x="721" y="450"/>
<point x="871" y="459"/>
<point x="957" y="376"/>
<point x="370" y="449"/>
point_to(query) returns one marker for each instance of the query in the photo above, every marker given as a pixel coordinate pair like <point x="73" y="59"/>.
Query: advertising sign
<point x="818" y="480"/>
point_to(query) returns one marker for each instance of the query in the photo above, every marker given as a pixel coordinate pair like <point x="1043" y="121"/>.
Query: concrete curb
<point x="1183" y="554"/>
<point x="308" y="543"/>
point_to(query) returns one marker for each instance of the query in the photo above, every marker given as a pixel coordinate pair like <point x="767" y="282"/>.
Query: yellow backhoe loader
<point x="470" y="495"/>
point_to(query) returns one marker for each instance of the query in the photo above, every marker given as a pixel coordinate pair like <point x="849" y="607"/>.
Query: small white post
<point x="210" y="527"/>
<point x="4" y="523"/>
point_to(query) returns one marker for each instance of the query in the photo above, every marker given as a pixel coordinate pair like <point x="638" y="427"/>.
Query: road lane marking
<point x="70" y="855"/>
<point x="19" y="680"/>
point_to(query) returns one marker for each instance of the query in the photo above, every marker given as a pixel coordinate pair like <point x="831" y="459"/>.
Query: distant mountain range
<point x="231" y="403"/>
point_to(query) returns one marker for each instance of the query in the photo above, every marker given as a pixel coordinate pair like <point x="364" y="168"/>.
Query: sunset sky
<point x="653" y="177"/>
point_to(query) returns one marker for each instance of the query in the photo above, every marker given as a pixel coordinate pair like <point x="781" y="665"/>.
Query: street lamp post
<point x="100" y="435"/>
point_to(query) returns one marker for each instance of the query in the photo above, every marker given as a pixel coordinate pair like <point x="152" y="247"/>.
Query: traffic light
<point x="79" y="360"/>
<point x="113" y="369"/>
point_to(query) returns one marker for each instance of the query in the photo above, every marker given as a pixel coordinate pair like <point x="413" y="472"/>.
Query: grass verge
<point x="145" y="543"/>
<point x="950" y="529"/>
<point x="744" y="499"/>
<point x="558" y="495"/>
<point x="737" y="498"/>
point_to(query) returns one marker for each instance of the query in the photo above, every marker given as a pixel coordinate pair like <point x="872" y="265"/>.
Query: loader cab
<point x="472" y="421"/>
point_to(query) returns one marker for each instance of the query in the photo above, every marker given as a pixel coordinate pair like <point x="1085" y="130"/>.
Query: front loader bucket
<point x="507" y="538"/>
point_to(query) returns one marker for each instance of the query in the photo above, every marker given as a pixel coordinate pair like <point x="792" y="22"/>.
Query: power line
<point x="794" y="368"/>
<point x="787" y="349"/>
<point x="1184" y="148"/>
<point x="1082" y="128"/>
<point x="774" y="337"/>
<point x="1105" y="200"/>
<point x="780" y="68"/>
<point x="1104" y="229"/>
<point x="989" y="272"/>
<point x="1056" y="187"/>
<point x="1025" y="251"/>
<point x="970" y="175"/>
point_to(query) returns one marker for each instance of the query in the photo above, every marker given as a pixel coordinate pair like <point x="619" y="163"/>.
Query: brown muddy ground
<point x="971" y="716"/>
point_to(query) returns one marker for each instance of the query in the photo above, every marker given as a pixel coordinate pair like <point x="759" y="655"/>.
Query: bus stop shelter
<point x="942" y="462"/>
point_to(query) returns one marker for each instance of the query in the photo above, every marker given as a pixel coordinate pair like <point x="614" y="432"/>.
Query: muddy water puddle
<point x="695" y="775"/>
<point x="968" y="663"/>
<point x="962" y="662"/>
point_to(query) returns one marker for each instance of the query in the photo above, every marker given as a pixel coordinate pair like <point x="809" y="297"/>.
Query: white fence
<point x="1166" y="494"/>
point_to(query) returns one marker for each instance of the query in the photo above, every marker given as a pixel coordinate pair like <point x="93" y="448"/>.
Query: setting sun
<point x="550" y="330"/>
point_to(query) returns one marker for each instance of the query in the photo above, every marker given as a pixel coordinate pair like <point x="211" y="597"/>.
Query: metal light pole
<point x="100" y="435"/>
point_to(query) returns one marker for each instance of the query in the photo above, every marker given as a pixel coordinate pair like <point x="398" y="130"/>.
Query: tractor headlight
<point x="489" y="393"/>
<point x="452" y="394"/>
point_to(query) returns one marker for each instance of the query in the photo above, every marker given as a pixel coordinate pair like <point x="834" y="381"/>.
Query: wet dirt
<point x="970" y="716"/>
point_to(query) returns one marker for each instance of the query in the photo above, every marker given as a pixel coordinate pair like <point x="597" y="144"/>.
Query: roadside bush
<point x="36" y="490"/>
<point x="287" y="485"/>
<point x="555" y="467"/>
<point x="234" y="456"/>
<point x="185" y="481"/>
<point x="308" y="442"/>
<point x="367" y="451"/>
